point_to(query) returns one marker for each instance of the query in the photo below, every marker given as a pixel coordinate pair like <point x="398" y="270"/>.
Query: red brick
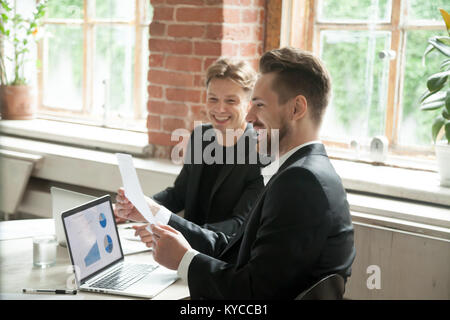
<point x="208" y="62"/>
<point x="202" y="14"/>
<point x="164" y="13"/>
<point x="236" y="32"/>
<point x="167" y="108"/>
<point x="186" y="30"/>
<point x="155" y="92"/>
<point x="214" y="32"/>
<point x="208" y="48"/>
<point x="183" y="63"/>
<point x="189" y="2"/>
<point x="230" y="49"/>
<point x="214" y="2"/>
<point x="155" y="106"/>
<point x="248" y="49"/>
<point x="183" y="95"/>
<point x="231" y="15"/>
<point x="172" y="124"/>
<point x="156" y="60"/>
<point x="170" y="46"/>
<point x="153" y="122"/>
<point x="170" y="78"/>
<point x="198" y="112"/>
<point x="250" y="16"/>
<point x="157" y="28"/>
<point x="160" y="138"/>
<point x="199" y="80"/>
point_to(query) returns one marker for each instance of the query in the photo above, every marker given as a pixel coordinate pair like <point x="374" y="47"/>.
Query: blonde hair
<point x="237" y="70"/>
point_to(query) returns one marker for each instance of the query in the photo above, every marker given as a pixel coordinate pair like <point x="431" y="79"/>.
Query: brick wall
<point x="186" y="36"/>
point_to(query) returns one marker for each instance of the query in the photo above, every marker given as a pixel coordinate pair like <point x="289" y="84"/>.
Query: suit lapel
<point x="303" y="152"/>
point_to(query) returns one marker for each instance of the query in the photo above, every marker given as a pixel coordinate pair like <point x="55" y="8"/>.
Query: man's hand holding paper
<point x="131" y="202"/>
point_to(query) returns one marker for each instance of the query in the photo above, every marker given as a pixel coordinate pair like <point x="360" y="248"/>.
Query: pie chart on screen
<point x="108" y="244"/>
<point x="102" y="220"/>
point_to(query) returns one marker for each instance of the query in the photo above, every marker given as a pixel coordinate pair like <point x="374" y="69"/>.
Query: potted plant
<point x="437" y="97"/>
<point x="16" y="35"/>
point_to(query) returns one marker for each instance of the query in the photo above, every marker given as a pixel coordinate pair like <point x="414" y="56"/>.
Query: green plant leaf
<point x="445" y="65"/>
<point x="447" y="131"/>
<point x="447" y="101"/>
<point x="433" y="104"/>
<point x="437" y="81"/>
<point x="437" y="126"/>
<point x="445" y="114"/>
<point x="427" y="51"/>
<point x="425" y="95"/>
<point x="440" y="44"/>
<point x="5" y="6"/>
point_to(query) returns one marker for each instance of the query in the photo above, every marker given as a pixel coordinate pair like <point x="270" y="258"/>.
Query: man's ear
<point x="299" y="107"/>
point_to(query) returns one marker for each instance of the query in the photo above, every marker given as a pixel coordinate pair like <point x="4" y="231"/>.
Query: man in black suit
<point x="218" y="193"/>
<point x="300" y="228"/>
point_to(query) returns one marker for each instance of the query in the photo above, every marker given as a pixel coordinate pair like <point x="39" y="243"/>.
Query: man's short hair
<point x="298" y="73"/>
<point x="239" y="71"/>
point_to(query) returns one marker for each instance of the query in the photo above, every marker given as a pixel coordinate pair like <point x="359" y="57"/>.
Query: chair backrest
<point x="332" y="287"/>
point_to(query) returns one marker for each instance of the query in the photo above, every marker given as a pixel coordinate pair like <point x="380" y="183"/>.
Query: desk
<point x="17" y="271"/>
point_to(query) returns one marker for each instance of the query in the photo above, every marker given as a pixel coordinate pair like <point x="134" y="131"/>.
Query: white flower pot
<point x="443" y="159"/>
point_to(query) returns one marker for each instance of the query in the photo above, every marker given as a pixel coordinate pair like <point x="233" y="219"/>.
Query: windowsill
<point x="79" y="135"/>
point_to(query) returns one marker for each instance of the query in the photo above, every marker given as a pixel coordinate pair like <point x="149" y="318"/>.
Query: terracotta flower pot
<point x="17" y="102"/>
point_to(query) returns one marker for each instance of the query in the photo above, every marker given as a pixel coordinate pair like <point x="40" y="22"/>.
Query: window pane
<point x="64" y="68"/>
<point x="65" y="9"/>
<point x="144" y="73"/>
<point x="114" y="62"/>
<point x="415" y="126"/>
<point x="359" y="77"/>
<point x="357" y="10"/>
<point x="427" y="10"/>
<point x="115" y="9"/>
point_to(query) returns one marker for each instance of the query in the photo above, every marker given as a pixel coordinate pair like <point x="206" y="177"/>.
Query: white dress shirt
<point x="267" y="173"/>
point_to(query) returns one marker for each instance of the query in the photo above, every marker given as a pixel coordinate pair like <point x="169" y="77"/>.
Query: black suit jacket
<point x="232" y="196"/>
<point x="298" y="231"/>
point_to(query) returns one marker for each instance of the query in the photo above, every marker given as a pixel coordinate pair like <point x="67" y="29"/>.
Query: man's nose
<point x="221" y="107"/>
<point x="250" y="117"/>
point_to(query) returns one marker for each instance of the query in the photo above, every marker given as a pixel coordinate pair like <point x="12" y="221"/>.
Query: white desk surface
<point x="17" y="271"/>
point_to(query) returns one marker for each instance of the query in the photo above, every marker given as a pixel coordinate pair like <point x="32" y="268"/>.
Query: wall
<point x="186" y="36"/>
<point x="411" y="266"/>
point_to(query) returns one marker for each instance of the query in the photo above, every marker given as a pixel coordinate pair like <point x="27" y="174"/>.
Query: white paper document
<point x="133" y="191"/>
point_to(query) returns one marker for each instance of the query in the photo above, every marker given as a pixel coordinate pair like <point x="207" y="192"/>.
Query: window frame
<point x="88" y="23"/>
<point x="303" y="14"/>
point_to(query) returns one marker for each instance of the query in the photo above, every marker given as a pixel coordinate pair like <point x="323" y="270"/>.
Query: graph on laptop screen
<point x="93" y="238"/>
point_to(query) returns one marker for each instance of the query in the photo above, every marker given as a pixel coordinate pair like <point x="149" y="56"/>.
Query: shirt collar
<point x="269" y="170"/>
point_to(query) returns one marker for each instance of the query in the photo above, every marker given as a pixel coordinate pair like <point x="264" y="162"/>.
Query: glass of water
<point x="44" y="251"/>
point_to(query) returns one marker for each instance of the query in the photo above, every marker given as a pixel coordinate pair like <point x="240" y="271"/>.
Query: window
<point x="373" y="50"/>
<point x="94" y="58"/>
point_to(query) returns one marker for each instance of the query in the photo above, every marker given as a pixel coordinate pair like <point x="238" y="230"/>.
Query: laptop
<point x="63" y="200"/>
<point x="95" y="250"/>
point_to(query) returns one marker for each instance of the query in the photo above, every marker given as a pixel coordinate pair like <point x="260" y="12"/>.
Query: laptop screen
<point x="92" y="236"/>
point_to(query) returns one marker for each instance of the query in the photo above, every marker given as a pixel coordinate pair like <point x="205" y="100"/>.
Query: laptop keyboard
<point x="124" y="276"/>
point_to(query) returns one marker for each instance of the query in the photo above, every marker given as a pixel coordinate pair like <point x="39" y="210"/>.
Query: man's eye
<point x="231" y="101"/>
<point x="212" y="99"/>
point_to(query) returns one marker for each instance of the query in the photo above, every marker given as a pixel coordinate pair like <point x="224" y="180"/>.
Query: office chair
<point x="332" y="287"/>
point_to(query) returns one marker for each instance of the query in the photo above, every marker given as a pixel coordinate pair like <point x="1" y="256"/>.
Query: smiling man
<point x="299" y="229"/>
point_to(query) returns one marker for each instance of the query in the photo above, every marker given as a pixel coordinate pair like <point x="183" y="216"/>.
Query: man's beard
<point x="268" y="145"/>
